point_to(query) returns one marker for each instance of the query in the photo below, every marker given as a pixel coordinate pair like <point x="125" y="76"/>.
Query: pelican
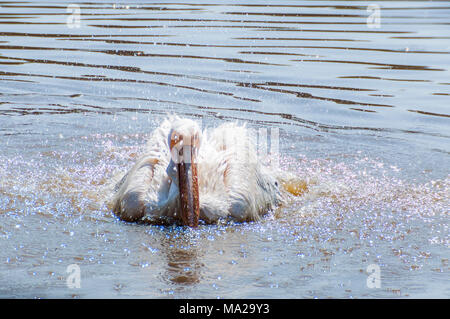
<point x="186" y="174"/>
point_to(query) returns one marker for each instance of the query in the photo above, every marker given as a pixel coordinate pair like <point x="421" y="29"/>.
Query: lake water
<point x="362" y="110"/>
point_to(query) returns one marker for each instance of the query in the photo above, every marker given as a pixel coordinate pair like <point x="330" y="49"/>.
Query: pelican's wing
<point x="146" y="188"/>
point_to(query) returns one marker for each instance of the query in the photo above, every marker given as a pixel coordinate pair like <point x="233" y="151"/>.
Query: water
<point x="363" y="119"/>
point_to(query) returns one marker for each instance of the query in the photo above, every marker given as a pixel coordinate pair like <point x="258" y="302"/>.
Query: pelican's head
<point x="184" y="141"/>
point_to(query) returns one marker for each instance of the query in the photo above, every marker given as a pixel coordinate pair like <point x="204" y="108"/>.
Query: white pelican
<point x="186" y="174"/>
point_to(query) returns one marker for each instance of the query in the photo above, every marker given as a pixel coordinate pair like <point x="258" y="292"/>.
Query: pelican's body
<point x="229" y="181"/>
